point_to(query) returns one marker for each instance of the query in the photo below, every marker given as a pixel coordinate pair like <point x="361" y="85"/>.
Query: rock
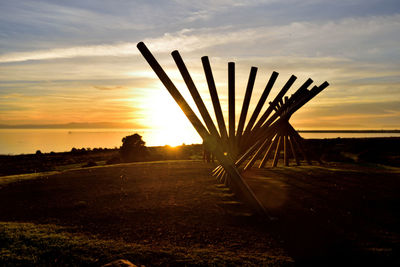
<point x="120" y="263"/>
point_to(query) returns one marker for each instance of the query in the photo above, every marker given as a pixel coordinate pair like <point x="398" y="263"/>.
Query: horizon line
<point x="112" y="125"/>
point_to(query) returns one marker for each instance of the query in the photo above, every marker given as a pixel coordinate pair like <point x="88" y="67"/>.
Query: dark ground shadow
<point x="334" y="215"/>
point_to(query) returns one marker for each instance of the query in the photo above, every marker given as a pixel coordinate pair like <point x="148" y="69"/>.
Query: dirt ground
<point x="336" y="214"/>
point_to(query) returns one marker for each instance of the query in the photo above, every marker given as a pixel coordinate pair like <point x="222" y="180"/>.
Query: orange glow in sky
<point x="76" y="64"/>
<point x="167" y="121"/>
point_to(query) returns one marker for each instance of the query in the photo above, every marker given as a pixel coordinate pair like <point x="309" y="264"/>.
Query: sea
<point x="28" y="141"/>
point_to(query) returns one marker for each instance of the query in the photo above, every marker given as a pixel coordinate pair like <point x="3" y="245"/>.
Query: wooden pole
<point x="258" y="153"/>
<point x="261" y="102"/>
<point x="277" y="150"/>
<point x="197" y="124"/>
<point x="285" y="149"/>
<point x="281" y="93"/>
<point x="283" y="113"/>
<point x="231" y="106"/>
<point x="248" y="131"/>
<point x="216" y="169"/>
<point x="254" y="147"/>
<point x="195" y="94"/>
<point x="289" y="106"/>
<point x="246" y="102"/>
<point x="271" y="131"/>
<point x="214" y="98"/>
<point x="280" y="118"/>
<point x="267" y="137"/>
<point x="219" y="173"/>
<point x="248" y="153"/>
<point x="301" y="101"/>
<point x="266" y="156"/>
<point x="222" y="177"/>
<point x="301" y="92"/>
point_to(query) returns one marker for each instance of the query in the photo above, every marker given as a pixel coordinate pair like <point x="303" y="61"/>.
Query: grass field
<point x="174" y="213"/>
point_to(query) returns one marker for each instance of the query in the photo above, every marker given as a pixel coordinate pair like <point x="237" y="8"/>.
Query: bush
<point x="133" y="148"/>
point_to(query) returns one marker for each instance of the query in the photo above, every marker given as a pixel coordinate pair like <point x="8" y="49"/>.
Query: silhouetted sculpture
<point x="271" y="132"/>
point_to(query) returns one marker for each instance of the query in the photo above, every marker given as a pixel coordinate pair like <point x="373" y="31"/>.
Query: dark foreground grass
<point x="173" y="214"/>
<point x="28" y="244"/>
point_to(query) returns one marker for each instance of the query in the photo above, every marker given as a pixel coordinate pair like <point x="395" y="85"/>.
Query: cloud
<point x="10" y="96"/>
<point x="374" y="38"/>
<point x="67" y="64"/>
<point x="50" y="110"/>
<point x="346" y="115"/>
<point x="71" y="52"/>
<point x="107" y="88"/>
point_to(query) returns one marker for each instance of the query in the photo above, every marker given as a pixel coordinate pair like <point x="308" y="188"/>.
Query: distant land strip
<point x="349" y="131"/>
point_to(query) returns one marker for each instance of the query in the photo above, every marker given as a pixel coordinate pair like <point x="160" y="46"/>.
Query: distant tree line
<point x="358" y="150"/>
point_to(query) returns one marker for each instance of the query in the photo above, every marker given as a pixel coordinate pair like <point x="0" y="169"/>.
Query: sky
<point x="76" y="61"/>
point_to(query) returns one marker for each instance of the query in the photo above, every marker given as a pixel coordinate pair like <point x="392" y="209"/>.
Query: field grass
<point x="168" y="213"/>
<point x="21" y="177"/>
<point x="173" y="213"/>
<point x="28" y="244"/>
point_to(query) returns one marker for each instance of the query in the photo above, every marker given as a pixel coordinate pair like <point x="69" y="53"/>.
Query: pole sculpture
<point x="251" y="141"/>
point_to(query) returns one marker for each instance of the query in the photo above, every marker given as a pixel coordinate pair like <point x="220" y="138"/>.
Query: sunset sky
<point x="76" y="61"/>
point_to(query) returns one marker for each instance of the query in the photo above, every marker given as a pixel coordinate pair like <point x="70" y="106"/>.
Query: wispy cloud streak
<point x="375" y="37"/>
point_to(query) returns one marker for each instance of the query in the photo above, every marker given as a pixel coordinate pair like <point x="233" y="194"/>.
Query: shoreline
<point x="375" y="150"/>
<point x="24" y="141"/>
<point x="94" y="149"/>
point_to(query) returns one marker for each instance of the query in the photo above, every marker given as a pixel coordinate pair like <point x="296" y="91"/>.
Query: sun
<point x="169" y="125"/>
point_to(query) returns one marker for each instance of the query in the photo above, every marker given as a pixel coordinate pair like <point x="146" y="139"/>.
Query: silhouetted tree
<point x="133" y="148"/>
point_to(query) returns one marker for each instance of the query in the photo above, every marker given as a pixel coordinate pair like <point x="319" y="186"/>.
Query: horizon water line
<point x="28" y="141"/>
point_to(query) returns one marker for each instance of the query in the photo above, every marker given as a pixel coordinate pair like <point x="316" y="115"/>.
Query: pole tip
<point x="140" y="45"/>
<point x="325" y="84"/>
